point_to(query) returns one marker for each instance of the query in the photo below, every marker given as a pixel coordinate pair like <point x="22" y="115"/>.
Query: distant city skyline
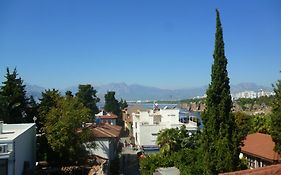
<point x="164" y="44"/>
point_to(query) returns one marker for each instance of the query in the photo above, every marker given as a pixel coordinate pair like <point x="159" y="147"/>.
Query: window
<point x="4" y="166"/>
<point x="251" y="162"/>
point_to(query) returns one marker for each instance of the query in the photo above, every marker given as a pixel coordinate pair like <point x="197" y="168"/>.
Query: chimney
<point x="1" y="127"/>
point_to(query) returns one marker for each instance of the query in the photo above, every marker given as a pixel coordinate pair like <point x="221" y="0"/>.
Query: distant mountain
<point x="248" y="87"/>
<point x="34" y="90"/>
<point x="139" y="92"/>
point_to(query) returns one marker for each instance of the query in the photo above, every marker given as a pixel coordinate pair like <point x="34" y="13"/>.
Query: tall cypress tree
<point x="220" y="142"/>
<point x="112" y="105"/>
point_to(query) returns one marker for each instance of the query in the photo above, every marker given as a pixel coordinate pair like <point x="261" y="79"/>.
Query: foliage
<point x="32" y="110"/>
<point x="167" y="140"/>
<point x="220" y="137"/>
<point x="112" y="105"/>
<point x="247" y="124"/>
<point x="149" y="164"/>
<point x="13" y="100"/>
<point x="61" y="129"/>
<point x="276" y="117"/>
<point x="87" y="95"/>
<point x="177" y="148"/>
<point x="175" y="139"/>
<point x="243" y="102"/>
<point x="196" y="100"/>
<point x="261" y="123"/>
<point x="123" y="104"/>
<point x="243" y="123"/>
<point x="68" y="94"/>
<point x="49" y="100"/>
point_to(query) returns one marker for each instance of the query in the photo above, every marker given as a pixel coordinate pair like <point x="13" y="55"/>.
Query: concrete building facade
<point x="17" y="148"/>
<point x="147" y="124"/>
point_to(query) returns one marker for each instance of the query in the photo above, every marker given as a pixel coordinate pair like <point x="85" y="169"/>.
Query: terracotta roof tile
<point x="109" y="116"/>
<point x="260" y="145"/>
<point x="106" y="131"/>
<point x="268" y="170"/>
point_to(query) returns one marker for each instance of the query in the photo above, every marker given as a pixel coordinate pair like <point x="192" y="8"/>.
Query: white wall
<point x="25" y="149"/>
<point x="170" y="116"/>
<point x="102" y="148"/>
<point x="145" y="131"/>
<point x="148" y="134"/>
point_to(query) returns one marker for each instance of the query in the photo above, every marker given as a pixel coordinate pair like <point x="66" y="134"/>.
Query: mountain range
<point x="139" y="92"/>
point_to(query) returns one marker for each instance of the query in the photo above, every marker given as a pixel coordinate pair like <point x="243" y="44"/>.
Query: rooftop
<point x="12" y="131"/>
<point x="106" y="131"/>
<point x="109" y="116"/>
<point x="272" y="170"/>
<point x="260" y="145"/>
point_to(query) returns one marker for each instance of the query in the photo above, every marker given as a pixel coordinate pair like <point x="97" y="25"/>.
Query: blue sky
<point x="165" y="43"/>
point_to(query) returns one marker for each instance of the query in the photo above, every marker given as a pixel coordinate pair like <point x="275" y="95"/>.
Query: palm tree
<point x="168" y="140"/>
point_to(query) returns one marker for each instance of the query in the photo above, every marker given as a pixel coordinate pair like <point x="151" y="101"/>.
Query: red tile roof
<point x="268" y="170"/>
<point x="109" y="116"/>
<point x="106" y="131"/>
<point x="260" y="145"/>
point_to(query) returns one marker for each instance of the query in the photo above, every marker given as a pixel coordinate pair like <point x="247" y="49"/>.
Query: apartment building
<point x="147" y="124"/>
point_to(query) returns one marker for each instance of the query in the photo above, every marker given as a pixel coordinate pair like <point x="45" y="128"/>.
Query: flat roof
<point x="12" y="131"/>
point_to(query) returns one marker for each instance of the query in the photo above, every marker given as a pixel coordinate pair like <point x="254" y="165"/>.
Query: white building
<point x="263" y="93"/>
<point x="17" y="148"/>
<point x="252" y="94"/>
<point x="147" y="124"/>
<point x="106" y="139"/>
<point x="246" y="94"/>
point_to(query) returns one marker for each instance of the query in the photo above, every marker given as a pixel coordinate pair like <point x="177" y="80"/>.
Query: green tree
<point x="112" y="105"/>
<point x="168" y="139"/>
<point x="64" y="130"/>
<point x="276" y="117"/>
<point x="87" y="95"/>
<point x="49" y="100"/>
<point x="243" y="123"/>
<point x="261" y="124"/>
<point x="32" y="110"/>
<point x="123" y="104"/>
<point x="68" y="94"/>
<point x="177" y="148"/>
<point x="13" y="98"/>
<point x="220" y="138"/>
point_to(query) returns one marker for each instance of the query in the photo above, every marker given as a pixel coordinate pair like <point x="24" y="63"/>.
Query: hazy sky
<point x="165" y="43"/>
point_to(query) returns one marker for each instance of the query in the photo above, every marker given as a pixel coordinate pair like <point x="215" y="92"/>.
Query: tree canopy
<point x="177" y="148"/>
<point x="87" y="95"/>
<point x="49" y="100"/>
<point x="123" y="104"/>
<point x="112" y="105"/>
<point x="13" y="100"/>
<point x="62" y="129"/>
<point x="276" y="117"/>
